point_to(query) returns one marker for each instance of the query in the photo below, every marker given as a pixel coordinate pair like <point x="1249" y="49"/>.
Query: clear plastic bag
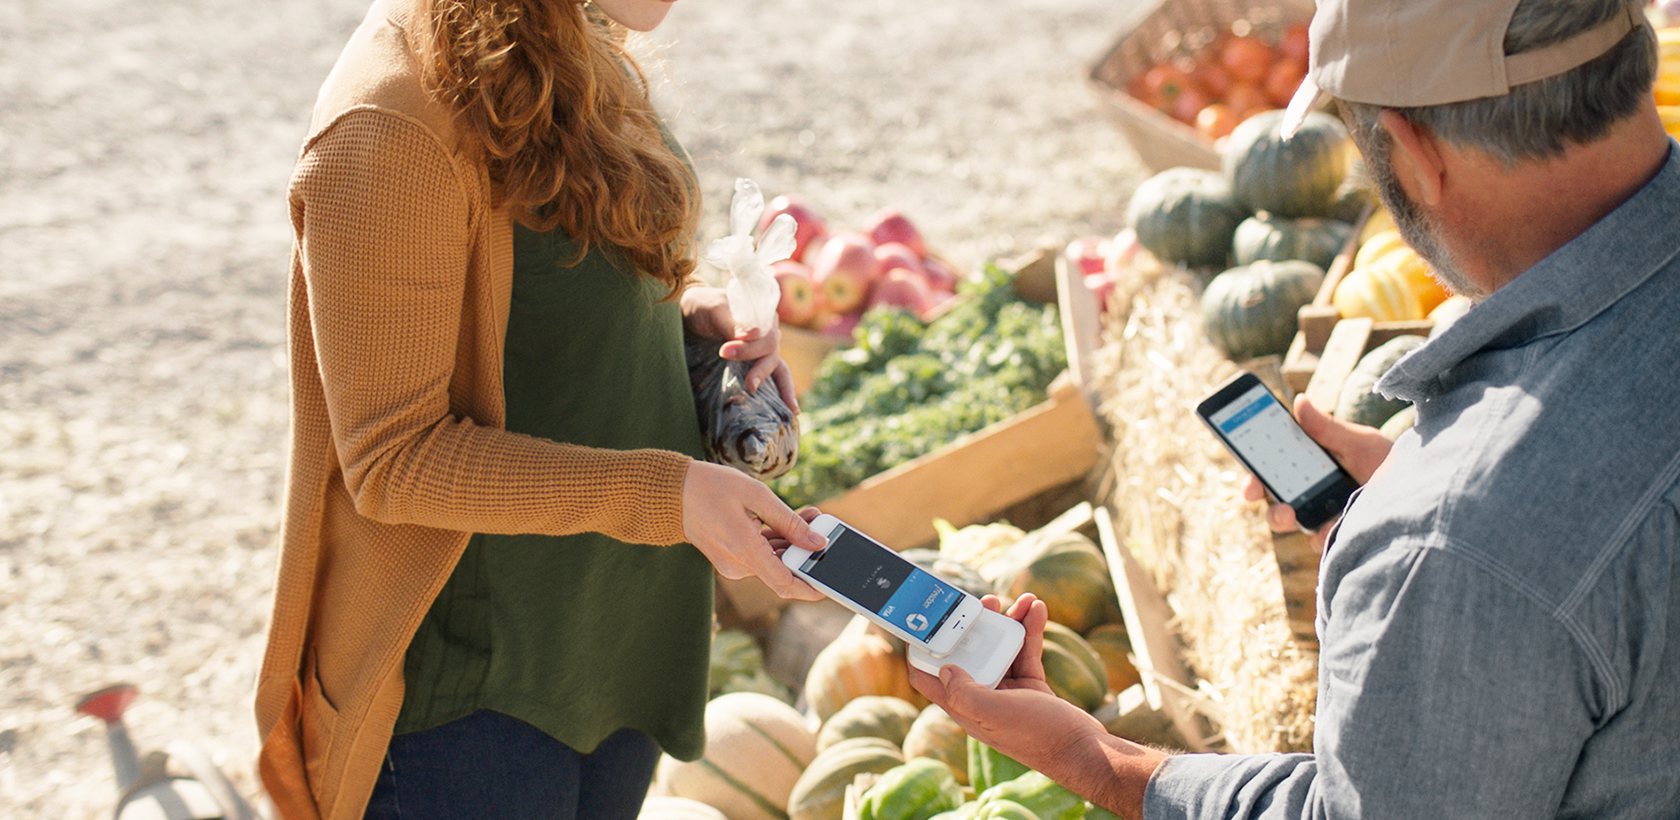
<point x="753" y="432"/>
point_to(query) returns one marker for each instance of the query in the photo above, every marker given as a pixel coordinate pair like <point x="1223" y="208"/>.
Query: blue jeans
<point x="490" y="765"/>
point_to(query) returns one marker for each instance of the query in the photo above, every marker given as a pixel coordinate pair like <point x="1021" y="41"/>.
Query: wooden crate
<point x="1169" y="29"/>
<point x="970" y="479"/>
<point x="1047" y="450"/>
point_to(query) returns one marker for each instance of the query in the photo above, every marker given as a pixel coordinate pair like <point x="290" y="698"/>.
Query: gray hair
<point x="1539" y="120"/>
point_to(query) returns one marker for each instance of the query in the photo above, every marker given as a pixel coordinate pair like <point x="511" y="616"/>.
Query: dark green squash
<point x="1185" y="216"/>
<point x="1288" y="178"/>
<point x="1262" y="238"/>
<point x="1251" y="311"/>
<point x="1358" y="402"/>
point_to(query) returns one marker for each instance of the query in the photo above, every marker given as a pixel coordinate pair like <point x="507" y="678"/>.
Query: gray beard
<point x="1420" y="229"/>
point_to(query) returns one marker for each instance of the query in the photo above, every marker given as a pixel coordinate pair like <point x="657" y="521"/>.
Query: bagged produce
<point x="752" y="431"/>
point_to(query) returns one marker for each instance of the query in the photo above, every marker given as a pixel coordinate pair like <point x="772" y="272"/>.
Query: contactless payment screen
<point x="1258" y="427"/>
<point x="879" y="580"/>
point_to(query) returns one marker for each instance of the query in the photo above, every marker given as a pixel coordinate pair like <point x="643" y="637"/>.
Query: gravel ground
<point x="144" y="152"/>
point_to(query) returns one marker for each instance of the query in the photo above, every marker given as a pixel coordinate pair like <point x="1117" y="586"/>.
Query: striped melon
<point x="882" y="716"/>
<point x="936" y="735"/>
<point x="988" y="767"/>
<point x="678" y="808"/>
<point x="1003" y="810"/>
<point x="756" y="747"/>
<point x="916" y="790"/>
<point x="1072" y="667"/>
<point x="853" y="666"/>
<point x="820" y="793"/>
<point x="1113" y="646"/>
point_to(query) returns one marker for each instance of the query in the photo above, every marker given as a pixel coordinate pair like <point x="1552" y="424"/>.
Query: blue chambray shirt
<point x="1499" y="610"/>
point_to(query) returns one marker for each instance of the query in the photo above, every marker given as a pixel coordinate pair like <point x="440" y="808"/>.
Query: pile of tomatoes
<point x="1232" y="79"/>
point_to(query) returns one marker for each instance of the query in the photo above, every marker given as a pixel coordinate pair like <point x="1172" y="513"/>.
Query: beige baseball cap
<point x="1407" y="53"/>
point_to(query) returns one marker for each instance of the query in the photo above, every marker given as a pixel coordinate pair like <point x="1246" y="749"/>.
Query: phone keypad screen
<point x="879" y="580"/>
<point x="1257" y="426"/>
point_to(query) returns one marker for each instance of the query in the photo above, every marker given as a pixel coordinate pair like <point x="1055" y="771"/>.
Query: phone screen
<point x="877" y="579"/>
<point x="1276" y="448"/>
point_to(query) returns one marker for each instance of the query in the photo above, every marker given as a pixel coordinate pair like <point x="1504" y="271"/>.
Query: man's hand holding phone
<point x="1359" y="449"/>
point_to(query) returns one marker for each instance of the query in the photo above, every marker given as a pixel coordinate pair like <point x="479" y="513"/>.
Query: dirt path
<point x="144" y="151"/>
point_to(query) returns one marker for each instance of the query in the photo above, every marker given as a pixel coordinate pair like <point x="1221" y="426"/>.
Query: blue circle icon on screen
<point x="916" y="621"/>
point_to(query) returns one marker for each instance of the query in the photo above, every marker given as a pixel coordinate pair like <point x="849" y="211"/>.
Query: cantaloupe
<point x="883" y="716"/>
<point x="756" y="749"/>
<point x="936" y="735"/>
<point x="821" y="791"/>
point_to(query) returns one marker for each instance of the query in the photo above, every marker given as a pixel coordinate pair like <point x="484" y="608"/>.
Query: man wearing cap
<point x="1499" y="607"/>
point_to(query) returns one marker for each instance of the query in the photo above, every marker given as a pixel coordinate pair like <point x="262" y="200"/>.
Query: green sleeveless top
<point x="578" y="635"/>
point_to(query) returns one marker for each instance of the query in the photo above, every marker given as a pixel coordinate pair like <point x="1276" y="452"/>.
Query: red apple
<point x="1088" y="253"/>
<point x="798" y="306"/>
<point x="940" y="278"/>
<point x="843" y="269"/>
<point x="897" y="255"/>
<point x="891" y="226"/>
<point x="811" y="230"/>
<point x="902" y="289"/>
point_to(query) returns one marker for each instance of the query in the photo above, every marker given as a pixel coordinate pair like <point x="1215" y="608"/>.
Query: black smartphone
<point x="1261" y="433"/>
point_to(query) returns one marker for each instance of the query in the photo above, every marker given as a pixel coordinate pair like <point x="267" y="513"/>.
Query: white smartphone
<point x="931" y="614"/>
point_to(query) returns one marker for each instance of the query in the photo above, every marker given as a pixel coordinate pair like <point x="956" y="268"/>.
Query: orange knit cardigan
<point x="400" y="283"/>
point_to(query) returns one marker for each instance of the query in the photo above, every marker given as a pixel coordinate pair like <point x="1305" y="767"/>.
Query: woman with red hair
<point x="487" y="601"/>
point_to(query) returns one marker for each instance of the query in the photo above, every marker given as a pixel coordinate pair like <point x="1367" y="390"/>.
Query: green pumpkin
<point x="820" y="793"/>
<point x="1288" y="178"/>
<point x="1358" y="402"/>
<point x="917" y="790"/>
<point x="1073" y="668"/>
<point x="1251" y="311"/>
<point x="1185" y="216"/>
<point x="1072" y="579"/>
<point x="988" y="767"/>
<point x="1274" y="239"/>
<point x="1038" y="794"/>
<point x="882" y="716"/>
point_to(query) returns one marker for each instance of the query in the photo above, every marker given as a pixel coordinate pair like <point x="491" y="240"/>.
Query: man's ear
<point x="1417" y="160"/>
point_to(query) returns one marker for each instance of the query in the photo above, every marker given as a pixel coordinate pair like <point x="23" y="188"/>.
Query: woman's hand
<point x="706" y="314"/>
<point x="732" y="518"/>
<point x="1359" y="449"/>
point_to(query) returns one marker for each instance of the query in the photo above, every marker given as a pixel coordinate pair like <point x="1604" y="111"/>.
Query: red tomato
<point x="1212" y="77"/>
<point x="1247" y="59"/>
<point x="1293" y="44"/>
<point x="1188" y="105"/>
<point x="1163" y="84"/>
<point x="1246" y="99"/>
<point x="1283" y="79"/>
<point x="1216" y="121"/>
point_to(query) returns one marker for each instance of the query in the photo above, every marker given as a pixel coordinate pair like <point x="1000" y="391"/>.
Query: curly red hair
<point x="560" y="110"/>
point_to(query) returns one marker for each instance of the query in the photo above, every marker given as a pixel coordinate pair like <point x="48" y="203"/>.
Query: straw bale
<point x="1177" y="498"/>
